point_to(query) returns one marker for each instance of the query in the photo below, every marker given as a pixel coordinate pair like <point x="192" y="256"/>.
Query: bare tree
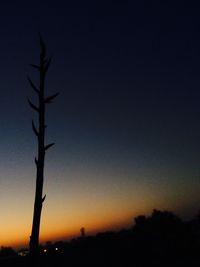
<point x="39" y="131"/>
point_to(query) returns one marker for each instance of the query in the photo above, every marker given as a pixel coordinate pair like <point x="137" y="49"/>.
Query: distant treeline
<point x="161" y="239"/>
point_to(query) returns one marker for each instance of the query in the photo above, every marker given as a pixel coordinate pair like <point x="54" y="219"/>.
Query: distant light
<point x="56" y="248"/>
<point x="45" y="250"/>
<point x="23" y="253"/>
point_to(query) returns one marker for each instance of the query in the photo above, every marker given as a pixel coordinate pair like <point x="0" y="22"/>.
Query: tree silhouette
<point x="39" y="131"/>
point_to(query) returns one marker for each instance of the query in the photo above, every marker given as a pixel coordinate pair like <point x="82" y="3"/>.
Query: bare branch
<point x="33" y="85"/>
<point x="43" y="199"/>
<point x="34" y="129"/>
<point x="49" y="99"/>
<point x="35" y="66"/>
<point x="36" y="161"/>
<point x="48" y="146"/>
<point x="32" y="105"/>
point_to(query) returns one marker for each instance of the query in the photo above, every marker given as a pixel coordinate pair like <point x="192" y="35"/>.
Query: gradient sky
<point x="126" y="124"/>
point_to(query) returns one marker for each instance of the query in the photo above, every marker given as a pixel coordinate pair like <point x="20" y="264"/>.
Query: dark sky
<point x="126" y="123"/>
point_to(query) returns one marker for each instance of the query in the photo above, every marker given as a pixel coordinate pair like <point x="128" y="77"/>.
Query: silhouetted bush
<point x="7" y="252"/>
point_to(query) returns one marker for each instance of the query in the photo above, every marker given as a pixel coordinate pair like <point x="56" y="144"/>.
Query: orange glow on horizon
<point x="95" y="205"/>
<point x="66" y="231"/>
<point x="69" y="228"/>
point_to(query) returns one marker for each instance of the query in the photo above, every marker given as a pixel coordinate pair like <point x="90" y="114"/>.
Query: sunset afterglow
<point x="126" y="124"/>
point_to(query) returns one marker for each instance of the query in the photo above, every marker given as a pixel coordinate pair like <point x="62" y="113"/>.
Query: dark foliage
<point x="7" y="252"/>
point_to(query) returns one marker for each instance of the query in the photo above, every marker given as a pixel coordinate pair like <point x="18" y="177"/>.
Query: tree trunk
<point x="39" y="161"/>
